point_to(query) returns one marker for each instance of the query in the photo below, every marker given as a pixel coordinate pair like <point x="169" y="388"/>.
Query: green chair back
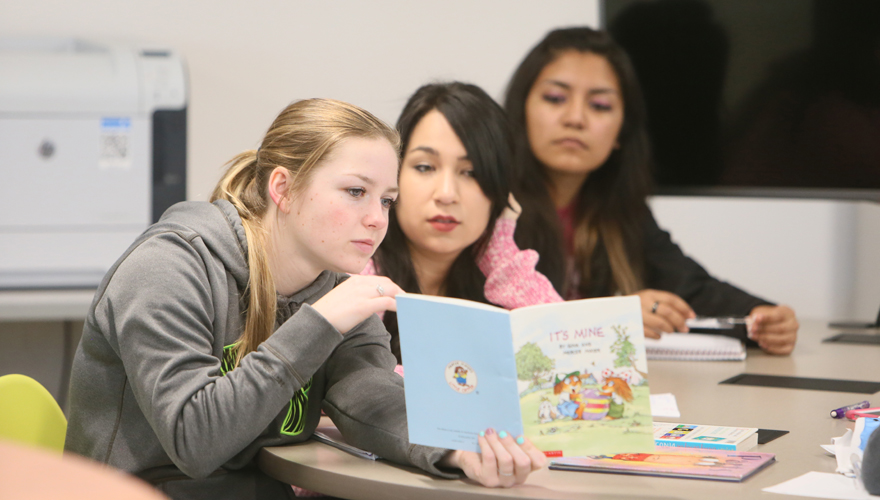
<point x="29" y="414"/>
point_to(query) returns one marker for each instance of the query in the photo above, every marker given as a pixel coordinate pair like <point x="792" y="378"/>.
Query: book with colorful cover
<point x="705" y="436"/>
<point x="719" y="465"/>
<point x="571" y="376"/>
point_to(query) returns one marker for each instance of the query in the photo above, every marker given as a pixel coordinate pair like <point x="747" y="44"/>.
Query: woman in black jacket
<point x="582" y="165"/>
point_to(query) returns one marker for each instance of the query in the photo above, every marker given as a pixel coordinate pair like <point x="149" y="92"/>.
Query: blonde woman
<point x="228" y="326"/>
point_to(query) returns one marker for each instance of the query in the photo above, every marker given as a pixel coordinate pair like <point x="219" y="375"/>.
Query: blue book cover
<point x="460" y="371"/>
<point x="571" y="376"/>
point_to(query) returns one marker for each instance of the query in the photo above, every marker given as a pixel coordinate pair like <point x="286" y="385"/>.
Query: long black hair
<point x="481" y="126"/>
<point x="610" y="209"/>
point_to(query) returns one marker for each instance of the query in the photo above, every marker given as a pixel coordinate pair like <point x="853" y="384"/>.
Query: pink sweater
<point x="511" y="278"/>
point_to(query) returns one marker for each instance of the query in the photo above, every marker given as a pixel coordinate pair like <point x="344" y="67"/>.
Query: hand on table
<point x="355" y="299"/>
<point x="501" y="463"/>
<point x="663" y="312"/>
<point x="774" y="328"/>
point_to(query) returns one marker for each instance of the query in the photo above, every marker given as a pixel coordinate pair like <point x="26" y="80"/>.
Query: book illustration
<point x="582" y="396"/>
<point x="672" y="462"/>
<point x="678" y="432"/>
<point x="461" y="377"/>
<point x="585" y="377"/>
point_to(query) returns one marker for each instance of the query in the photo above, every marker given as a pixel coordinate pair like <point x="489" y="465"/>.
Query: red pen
<point x="866" y="412"/>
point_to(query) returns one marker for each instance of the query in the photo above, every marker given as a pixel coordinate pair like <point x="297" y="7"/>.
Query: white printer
<point x="92" y="151"/>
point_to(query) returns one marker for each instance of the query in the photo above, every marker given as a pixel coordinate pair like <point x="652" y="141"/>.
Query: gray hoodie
<point x="151" y="393"/>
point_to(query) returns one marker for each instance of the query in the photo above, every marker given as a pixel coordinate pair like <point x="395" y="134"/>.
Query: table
<point x="701" y="399"/>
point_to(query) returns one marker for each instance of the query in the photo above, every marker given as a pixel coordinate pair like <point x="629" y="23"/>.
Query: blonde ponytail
<point x="302" y="135"/>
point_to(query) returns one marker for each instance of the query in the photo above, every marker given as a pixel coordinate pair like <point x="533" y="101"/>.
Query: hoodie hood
<point x="219" y="226"/>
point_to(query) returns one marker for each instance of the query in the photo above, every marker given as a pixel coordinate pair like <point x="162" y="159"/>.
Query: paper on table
<point x="664" y="405"/>
<point x="850" y="444"/>
<point x="822" y="485"/>
<point x="843" y="451"/>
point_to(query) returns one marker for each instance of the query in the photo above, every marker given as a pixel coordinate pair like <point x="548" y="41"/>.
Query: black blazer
<point x="668" y="268"/>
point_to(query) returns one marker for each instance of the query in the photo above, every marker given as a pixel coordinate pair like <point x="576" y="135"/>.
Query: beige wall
<point x="247" y="60"/>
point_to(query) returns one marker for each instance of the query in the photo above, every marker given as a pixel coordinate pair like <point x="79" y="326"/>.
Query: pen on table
<point x="841" y="412"/>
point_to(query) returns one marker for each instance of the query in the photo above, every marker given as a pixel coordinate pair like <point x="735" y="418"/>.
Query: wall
<point x="247" y="60"/>
<point x="818" y="256"/>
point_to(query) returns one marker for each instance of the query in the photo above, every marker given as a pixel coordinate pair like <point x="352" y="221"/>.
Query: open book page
<point x="460" y="371"/>
<point x="695" y="347"/>
<point x="582" y="376"/>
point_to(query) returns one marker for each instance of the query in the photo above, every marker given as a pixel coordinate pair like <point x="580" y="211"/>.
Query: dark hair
<point x="481" y="126"/>
<point x="610" y="208"/>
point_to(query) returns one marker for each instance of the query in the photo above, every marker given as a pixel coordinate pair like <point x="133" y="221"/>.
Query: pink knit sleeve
<point x="511" y="278"/>
<point x="370" y="270"/>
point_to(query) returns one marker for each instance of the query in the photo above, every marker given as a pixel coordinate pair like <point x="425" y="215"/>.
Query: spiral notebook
<point x="695" y="347"/>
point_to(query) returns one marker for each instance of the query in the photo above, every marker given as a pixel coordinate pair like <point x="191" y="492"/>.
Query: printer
<point x="92" y="151"/>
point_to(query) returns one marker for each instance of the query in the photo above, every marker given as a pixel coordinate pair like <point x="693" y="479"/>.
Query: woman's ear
<point x="279" y="188"/>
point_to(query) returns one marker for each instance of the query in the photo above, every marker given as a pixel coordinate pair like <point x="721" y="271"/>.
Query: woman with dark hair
<point x="583" y="175"/>
<point x="451" y="231"/>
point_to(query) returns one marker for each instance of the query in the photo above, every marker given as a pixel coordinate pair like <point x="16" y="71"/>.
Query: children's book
<point x="570" y="376"/>
<point x="673" y="462"/>
<point x="705" y="436"/>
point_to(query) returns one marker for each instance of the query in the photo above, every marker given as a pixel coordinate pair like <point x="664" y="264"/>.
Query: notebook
<point x="695" y="347"/>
